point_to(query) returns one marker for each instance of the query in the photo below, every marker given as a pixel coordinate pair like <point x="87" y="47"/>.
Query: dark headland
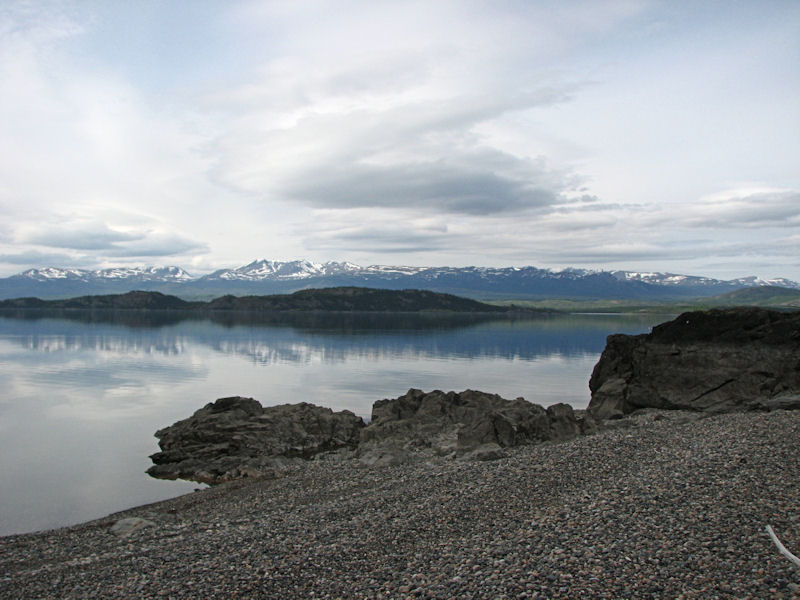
<point x="505" y="501"/>
<point x="325" y="299"/>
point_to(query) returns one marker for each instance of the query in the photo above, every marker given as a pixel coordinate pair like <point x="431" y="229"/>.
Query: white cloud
<point x="576" y="133"/>
<point x="748" y="208"/>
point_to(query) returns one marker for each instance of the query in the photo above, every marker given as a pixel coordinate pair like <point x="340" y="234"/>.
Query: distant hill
<point x="131" y="300"/>
<point x="262" y="277"/>
<point x="766" y="296"/>
<point x="329" y="299"/>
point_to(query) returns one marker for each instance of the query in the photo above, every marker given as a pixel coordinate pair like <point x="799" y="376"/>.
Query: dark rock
<point x="717" y="361"/>
<point x="459" y="423"/>
<point x="236" y="437"/>
<point x="384" y="456"/>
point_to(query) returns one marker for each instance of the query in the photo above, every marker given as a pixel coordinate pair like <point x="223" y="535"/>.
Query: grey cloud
<point x="42" y="259"/>
<point x="680" y="250"/>
<point x="81" y="237"/>
<point x="766" y="209"/>
<point x="599" y="255"/>
<point x="379" y="239"/>
<point x="100" y="239"/>
<point x="433" y="186"/>
<point x="158" y="244"/>
<point x="426" y="155"/>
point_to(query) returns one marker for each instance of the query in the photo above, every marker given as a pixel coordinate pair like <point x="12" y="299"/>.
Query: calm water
<point x="82" y="396"/>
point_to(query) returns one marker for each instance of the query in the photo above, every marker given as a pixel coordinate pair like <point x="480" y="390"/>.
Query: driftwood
<point x="781" y="548"/>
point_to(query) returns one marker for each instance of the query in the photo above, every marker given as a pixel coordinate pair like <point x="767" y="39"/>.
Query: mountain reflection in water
<point x="267" y="338"/>
<point x="84" y="393"/>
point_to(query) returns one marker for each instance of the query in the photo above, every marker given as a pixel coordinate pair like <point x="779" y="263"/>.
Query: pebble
<point x="667" y="507"/>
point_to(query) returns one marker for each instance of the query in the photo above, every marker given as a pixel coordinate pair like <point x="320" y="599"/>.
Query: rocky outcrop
<point x="237" y="437"/>
<point x="460" y="424"/>
<point x="717" y="361"/>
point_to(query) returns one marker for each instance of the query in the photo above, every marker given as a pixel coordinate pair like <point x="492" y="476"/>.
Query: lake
<point x="83" y="393"/>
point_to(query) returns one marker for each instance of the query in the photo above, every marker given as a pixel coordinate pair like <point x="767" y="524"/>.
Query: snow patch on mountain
<point x="754" y="281"/>
<point x="300" y="270"/>
<point x="694" y="280"/>
<point x="165" y="274"/>
<point x="261" y="270"/>
<point x="50" y="273"/>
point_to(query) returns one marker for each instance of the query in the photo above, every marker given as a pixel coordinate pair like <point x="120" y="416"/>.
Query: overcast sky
<point x="602" y="134"/>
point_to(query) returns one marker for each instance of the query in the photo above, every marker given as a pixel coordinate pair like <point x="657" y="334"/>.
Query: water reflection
<point x="312" y="337"/>
<point x="83" y="396"/>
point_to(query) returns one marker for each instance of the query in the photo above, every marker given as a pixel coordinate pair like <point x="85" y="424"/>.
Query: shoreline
<point x="664" y="504"/>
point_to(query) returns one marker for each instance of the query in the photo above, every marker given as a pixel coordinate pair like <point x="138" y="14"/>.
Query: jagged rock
<point x="459" y="423"/>
<point x="717" y="360"/>
<point x="236" y="437"/>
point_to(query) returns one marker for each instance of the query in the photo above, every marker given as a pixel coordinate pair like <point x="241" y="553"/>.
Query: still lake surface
<point x="83" y="393"/>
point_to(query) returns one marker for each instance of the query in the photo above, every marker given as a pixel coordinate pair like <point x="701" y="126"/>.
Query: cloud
<point x="354" y="230"/>
<point x="35" y="257"/>
<point x="433" y="186"/>
<point x="155" y="244"/>
<point x="393" y="127"/>
<point x="90" y="236"/>
<point x="747" y="209"/>
<point x="410" y="156"/>
<point x="97" y="241"/>
<point x="517" y="238"/>
<point x="432" y="133"/>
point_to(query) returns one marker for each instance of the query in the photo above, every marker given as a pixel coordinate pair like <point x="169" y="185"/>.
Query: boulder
<point x="719" y="360"/>
<point x="236" y="437"/>
<point x="459" y="423"/>
<point x="129" y="526"/>
<point x="484" y="452"/>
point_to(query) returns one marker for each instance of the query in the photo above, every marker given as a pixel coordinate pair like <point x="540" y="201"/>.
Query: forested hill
<point x="327" y="299"/>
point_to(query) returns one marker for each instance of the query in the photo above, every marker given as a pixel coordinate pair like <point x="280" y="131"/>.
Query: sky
<point x="619" y="134"/>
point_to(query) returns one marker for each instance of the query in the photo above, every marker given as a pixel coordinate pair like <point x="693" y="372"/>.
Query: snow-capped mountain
<point x="757" y="281"/>
<point x="270" y="277"/>
<point x="664" y="278"/>
<point x="260" y="270"/>
<point x="163" y="274"/>
<point x="263" y="270"/>
<point x="692" y="280"/>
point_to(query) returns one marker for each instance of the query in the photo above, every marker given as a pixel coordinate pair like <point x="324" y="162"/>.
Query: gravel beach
<point x="665" y="505"/>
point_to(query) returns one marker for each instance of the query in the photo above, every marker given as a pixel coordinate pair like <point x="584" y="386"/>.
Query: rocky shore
<point x="233" y="438"/>
<point x="666" y="504"/>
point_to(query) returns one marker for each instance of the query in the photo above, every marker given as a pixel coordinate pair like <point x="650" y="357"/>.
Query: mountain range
<point x="272" y="277"/>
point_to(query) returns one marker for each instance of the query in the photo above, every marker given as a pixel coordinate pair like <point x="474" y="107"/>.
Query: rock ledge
<point x="236" y="437"/>
<point x="713" y="361"/>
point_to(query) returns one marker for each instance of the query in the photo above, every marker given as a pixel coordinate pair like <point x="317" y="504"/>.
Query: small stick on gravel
<point x="781" y="548"/>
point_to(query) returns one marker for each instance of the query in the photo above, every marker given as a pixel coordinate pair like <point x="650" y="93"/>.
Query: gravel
<point x="664" y="505"/>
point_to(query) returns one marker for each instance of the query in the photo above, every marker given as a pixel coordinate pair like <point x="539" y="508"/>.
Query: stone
<point x="236" y="437"/>
<point x="719" y="360"/>
<point x="384" y="456"/>
<point x="459" y="423"/>
<point x="485" y="452"/>
<point x="128" y="526"/>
